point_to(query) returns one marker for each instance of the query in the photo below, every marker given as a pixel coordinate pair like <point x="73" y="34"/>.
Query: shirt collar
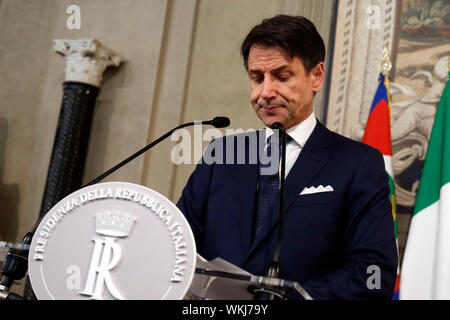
<point x="300" y="132"/>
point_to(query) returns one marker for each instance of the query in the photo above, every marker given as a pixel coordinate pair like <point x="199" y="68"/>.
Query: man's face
<point x="281" y="91"/>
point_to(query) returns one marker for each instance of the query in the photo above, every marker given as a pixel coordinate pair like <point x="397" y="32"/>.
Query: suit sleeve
<point x="194" y="199"/>
<point x="370" y="253"/>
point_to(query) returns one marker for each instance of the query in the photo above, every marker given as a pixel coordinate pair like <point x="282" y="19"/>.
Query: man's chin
<point x="269" y="121"/>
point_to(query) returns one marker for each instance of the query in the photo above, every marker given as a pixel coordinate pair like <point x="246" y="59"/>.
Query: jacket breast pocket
<point x="318" y="198"/>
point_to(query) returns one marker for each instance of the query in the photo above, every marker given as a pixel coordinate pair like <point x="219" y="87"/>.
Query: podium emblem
<point x="112" y="240"/>
<point x="107" y="253"/>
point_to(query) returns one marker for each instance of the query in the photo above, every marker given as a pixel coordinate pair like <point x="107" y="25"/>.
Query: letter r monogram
<point x="101" y="265"/>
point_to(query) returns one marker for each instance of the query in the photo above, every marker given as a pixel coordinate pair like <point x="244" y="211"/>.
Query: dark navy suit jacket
<point x="331" y="239"/>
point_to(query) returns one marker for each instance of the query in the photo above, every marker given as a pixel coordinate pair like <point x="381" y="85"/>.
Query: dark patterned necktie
<point x="268" y="192"/>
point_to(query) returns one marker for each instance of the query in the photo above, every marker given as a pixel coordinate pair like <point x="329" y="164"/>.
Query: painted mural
<point x="420" y="77"/>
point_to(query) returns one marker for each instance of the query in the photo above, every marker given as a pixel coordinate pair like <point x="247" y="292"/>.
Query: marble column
<point x="86" y="60"/>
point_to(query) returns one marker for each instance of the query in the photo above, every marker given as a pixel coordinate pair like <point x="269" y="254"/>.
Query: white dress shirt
<point x="300" y="134"/>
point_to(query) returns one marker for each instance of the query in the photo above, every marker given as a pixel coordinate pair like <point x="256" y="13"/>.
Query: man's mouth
<point x="271" y="108"/>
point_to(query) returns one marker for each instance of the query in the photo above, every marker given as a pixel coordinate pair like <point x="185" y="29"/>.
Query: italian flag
<point x="378" y="135"/>
<point x="426" y="262"/>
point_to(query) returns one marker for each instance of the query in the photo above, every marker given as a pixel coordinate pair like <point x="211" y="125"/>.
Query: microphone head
<point x="220" y="122"/>
<point x="277" y="125"/>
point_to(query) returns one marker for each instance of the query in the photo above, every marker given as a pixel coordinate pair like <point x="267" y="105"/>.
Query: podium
<point x="213" y="280"/>
<point x="118" y="240"/>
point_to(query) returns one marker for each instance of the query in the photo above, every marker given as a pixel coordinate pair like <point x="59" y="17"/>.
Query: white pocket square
<point x="320" y="188"/>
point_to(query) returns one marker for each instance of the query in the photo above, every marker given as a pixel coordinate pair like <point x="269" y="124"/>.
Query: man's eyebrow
<point x="280" y="68"/>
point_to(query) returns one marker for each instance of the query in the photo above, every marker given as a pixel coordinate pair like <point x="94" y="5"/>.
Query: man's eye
<point x="257" y="79"/>
<point x="283" y="77"/>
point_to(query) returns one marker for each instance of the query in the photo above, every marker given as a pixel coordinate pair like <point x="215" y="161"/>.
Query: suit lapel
<point x="314" y="155"/>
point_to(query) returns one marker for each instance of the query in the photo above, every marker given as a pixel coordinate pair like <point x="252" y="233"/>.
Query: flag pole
<point x="385" y="67"/>
<point x="385" y="63"/>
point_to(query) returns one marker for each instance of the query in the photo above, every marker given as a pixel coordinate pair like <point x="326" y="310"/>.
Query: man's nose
<point x="268" y="89"/>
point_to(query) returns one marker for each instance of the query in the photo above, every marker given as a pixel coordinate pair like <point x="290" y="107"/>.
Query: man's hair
<point x="296" y="35"/>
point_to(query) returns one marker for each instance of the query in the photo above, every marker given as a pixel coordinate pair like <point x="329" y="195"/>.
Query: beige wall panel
<point x="170" y="94"/>
<point x="121" y="118"/>
<point x="25" y="54"/>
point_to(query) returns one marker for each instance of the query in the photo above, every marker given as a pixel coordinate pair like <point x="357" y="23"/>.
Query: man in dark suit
<point x="338" y="229"/>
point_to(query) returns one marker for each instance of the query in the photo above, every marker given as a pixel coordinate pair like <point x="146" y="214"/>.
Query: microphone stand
<point x="267" y="292"/>
<point x="15" y="265"/>
<point x="138" y="153"/>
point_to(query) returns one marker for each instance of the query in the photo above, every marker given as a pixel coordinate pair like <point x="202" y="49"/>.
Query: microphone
<point x="218" y="122"/>
<point x="267" y="292"/>
<point x="15" y="265"/>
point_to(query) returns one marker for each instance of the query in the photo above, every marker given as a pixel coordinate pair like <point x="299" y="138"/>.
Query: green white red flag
<point x="426" y="262"/>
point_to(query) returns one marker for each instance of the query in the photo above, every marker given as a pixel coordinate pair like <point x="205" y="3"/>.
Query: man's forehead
<point x="268" y="57"/>
<point x="265" y="52"/>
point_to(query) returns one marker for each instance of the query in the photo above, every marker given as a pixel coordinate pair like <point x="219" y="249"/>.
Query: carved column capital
<point x="86" y="59"/>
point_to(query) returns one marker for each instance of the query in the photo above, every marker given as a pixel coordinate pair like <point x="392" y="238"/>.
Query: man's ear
<point x="317" y="75"/>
